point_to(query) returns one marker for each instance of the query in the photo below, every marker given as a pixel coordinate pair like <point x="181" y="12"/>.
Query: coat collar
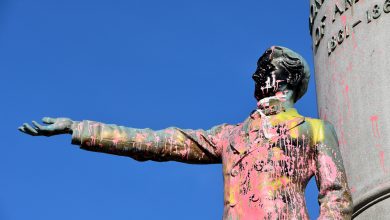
<point x="290" y="118"/>
<point x="252" y="129"/>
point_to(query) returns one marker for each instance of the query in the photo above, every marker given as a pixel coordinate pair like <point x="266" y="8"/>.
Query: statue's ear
<point x="296" y="78"/>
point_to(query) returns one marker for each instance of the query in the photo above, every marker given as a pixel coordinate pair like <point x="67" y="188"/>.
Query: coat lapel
<point x="252" y="130"/>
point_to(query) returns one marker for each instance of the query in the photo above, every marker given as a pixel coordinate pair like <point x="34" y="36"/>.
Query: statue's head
<point x="280" y="69"/>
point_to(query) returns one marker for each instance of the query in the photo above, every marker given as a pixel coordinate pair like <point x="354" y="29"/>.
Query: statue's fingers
<point x="38" y="126"/>
<point x="21" y="128"/>
<point x="48" y="120"/>
<point x="29" y="130"/>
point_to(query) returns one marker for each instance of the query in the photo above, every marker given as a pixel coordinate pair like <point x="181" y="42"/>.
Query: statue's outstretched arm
<point x="183" y="145"/>
<point x="334" y="195"/>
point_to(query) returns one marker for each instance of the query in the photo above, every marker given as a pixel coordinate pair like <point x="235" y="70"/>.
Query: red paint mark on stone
<point x="350" y="67"/>
<point x="344" y="19"/>
<point x="323" y="114"/>
<point x="347" y="101"/>
<point x="374" y="126"/>
<point x="354" y="41"/>
<point x="382" y="161"/>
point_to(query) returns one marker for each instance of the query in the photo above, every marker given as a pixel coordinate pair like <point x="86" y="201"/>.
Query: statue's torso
<point x="265" y="175"/>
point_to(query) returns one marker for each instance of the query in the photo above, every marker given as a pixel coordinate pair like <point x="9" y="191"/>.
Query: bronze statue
<point x="267" y="160"/>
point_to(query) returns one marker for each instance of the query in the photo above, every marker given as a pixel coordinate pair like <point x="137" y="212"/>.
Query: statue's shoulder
<point x="315" y="122"/>
<point x="319" y="123"/>
<point x="319" y="128"/>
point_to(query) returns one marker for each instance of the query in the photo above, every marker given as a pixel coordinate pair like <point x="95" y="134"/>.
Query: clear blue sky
<point x="144" y="63"/>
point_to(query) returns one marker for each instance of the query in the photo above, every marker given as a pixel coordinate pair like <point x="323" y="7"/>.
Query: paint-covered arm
<point x="183" y="145"/>
<point x="334" y="195"/>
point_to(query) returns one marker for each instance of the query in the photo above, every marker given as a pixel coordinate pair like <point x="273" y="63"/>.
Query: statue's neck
<point x="274" y="105"/>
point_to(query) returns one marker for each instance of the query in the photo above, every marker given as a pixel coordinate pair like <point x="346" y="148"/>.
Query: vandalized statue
<point x="267" y="160"/>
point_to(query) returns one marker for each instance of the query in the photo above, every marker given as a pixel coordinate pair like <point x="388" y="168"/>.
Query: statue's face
<point x="270" y="77"/>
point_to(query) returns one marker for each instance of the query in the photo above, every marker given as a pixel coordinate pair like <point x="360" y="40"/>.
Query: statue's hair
<point x="296" y="66"/>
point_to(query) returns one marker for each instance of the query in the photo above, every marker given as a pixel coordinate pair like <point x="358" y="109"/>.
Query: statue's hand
<point x="54" y="126"/>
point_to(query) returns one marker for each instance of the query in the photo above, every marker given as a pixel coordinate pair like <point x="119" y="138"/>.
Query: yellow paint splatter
<point x="318" y="130"/>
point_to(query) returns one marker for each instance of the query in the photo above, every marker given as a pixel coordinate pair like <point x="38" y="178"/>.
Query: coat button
<point x="259" y="165"/>
<point x="234" y="172"/>
<point x="254" y="198"/>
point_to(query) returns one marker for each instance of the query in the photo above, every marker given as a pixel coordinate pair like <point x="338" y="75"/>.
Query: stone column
<point x="351" y="48"/>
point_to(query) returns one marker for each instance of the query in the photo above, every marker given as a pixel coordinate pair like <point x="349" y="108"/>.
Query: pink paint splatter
<point x="343" y="20"/>
<point x="382" y="161"/>
<point x="374" y="126"/>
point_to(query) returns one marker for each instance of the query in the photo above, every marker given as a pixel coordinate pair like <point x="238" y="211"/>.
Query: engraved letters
<point x="337" y="10"/>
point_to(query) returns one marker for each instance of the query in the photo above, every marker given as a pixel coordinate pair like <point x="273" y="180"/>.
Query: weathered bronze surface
<point x="267" y="160"/>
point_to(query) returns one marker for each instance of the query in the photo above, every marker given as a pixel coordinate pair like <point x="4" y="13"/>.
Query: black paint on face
<point x="280" y="69"/>
<point x="269" y="77"/>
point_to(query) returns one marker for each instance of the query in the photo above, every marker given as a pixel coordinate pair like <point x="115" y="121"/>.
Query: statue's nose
<point x="255" y="76"/>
